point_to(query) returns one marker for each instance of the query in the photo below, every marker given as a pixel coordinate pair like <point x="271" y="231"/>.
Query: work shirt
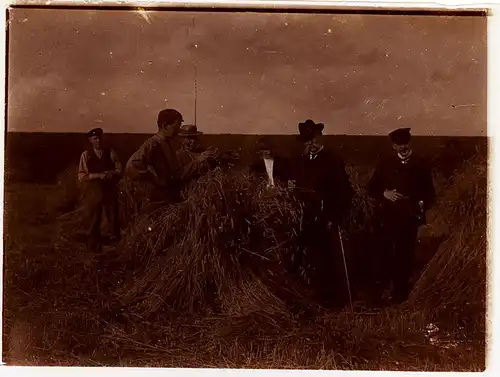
<point x="94" y="162"/>
<point x="156" y="157"/>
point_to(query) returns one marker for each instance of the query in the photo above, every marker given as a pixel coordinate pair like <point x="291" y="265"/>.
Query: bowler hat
<point x="95" y="132"/>
<point x="169" y="116"/>
<point x="189" y="130"/>
<point x="309" y="129"/>
<point x="400" y="136"/>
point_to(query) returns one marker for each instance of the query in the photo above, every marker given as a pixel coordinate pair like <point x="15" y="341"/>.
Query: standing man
<point x="321" y="183"/>
<point x="100" y="171"/>
<point x="195" y="160"/>
<point x="154" y="168"/>
<point x="403" y="187"/>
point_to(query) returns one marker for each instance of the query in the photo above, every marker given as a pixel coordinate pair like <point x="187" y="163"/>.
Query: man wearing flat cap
<point x="154" y="169"/>
<point x="195" y="160"/>
<point x="403" y="187"/>
<point x="100" y="171"/>
<point x="320" y="182"/>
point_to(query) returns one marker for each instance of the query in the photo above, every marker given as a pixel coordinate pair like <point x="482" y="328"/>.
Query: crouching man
<point x="99" y="172"/>
<point x="320" y="182"/>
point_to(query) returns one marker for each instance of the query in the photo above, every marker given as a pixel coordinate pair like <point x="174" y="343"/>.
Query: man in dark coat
<point x="320" y="182"/>
<point x="403" y="187"/>
<point x="99" y="171"/>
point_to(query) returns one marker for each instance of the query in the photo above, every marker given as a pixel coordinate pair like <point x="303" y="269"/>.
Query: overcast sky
<point x="72" y="70"/>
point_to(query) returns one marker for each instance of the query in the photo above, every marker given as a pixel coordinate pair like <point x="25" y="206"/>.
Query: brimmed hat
<point x="95" y="132"/>
<point x="400" y="136"/>
<point x="189" y="130"/>
<point x="169" y="116"/>
<point x="309" y="129"/>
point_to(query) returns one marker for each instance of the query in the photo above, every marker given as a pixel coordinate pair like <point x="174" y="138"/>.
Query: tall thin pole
<point x="345" y="267"/>
<point x="195" y="85"/>
<point x="195" y="93"/>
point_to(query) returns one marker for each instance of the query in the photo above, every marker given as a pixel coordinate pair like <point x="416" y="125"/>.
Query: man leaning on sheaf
<point x="195" y="159"/>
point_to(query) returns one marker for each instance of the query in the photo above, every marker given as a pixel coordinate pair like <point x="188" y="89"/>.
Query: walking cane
<point x="345" y="267"/>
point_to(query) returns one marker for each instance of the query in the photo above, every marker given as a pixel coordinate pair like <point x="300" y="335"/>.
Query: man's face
<point x="402" y="149"/>
<point x="313" y="145"/>
<point x="174" y="128"/>
<point x="266" y="154"/>
<point x="95" y="141"/>
<point x="190" y="143"/>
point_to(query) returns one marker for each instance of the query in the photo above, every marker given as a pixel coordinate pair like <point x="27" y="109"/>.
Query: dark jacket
<point x="322" y="184"/>
<point x="413" y="180"/>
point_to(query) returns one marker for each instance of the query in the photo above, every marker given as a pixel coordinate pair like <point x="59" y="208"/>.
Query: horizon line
<point x="234" y="134"/>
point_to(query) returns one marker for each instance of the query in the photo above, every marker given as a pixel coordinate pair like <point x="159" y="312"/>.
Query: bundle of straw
<point x="456" y="276"/>
<point x="360" y="218"/>
<point x="69" y="190"/>
<point x="230" y="233"/>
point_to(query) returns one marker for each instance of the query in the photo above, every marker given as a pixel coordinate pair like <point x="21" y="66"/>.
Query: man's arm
<point x="191" y="169"/>
<point x="116" y="161"/>
<point x="83" y="171"/>
<point x="138" y="165"/>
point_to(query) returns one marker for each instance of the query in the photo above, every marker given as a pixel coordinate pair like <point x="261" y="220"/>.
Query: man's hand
<point x="107" y="175"/>
<point x="392" y="195"/>
<point x="421" y="205"/>
<point x="201" y="157"/>
<point x="206" y="155"/>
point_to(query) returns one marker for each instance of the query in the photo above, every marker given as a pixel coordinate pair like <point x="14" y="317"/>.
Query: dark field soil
<point x="40" y="157"/>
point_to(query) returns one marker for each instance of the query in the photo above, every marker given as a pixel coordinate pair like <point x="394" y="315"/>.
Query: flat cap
<point x="400" y="136"/>
<point x="169" y="116"/>
<point x="95" y="132"/>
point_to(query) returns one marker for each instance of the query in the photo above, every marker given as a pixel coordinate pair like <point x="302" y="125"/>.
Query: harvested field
<point x="149" y="302"/>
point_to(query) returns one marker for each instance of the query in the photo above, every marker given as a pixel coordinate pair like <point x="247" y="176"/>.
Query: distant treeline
<point x="40" y="157"/>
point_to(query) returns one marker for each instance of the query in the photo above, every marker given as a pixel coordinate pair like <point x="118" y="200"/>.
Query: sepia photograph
<point x="245" y="188"/>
